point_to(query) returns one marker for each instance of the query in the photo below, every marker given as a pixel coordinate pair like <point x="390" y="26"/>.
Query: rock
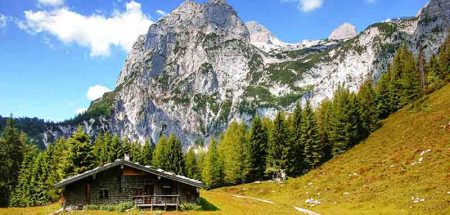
<point x="312" y="201"/>
<point x="344" y="31"/>
<point x="262" y="38"/>
<point x="417" y="199"/>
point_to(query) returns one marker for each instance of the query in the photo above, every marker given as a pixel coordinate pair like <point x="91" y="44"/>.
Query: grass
<point x="42" y="210"/>
<point x="378" y="176"/>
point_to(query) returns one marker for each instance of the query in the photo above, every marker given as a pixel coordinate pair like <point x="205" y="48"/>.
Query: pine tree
<point x="37" y="177"/>
<point x="21" y="193"/>
<point x="295" y="164"/>
<point x="367" y="109"/>
<point x="344" y="123"/>
<point x="61" y="151"/>
<point x="444" y="60"/>
<point x="324" y="116"/>
<point x="234" y="153"/>
<point x="383" y="102"/>
<point x="147" y="153"/>
<point x="201" y="154"/>
<point x="278" y="150"/>
<point x="168" y="155"/>
<point x="115" y="148"/>
<point x="134" y="150"/>
<point x="313" y="150"/>
<point x="190" y="160"/>
<point x="212" y="171"/>
<point x="80" y="158"/>
<point x="410" y="77"/>
<point x="99" y="150"/>
<point x="159" y="159"/>
<point x="11" y="153"/>
<point x="258" y="141"/>
<point x="404" y="84"/>
<point x="434" y="77"/>
<point x="175" y="158"/>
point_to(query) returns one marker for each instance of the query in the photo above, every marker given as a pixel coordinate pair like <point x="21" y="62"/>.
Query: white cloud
<point x="161" y="12"/>
<point x="51" y="2"/>
<point x="96" y="92"/>
<point x="80" y="110"/>
<point x="3" y="20"/>
<point x="310" y="5"/>
<point x="97" y="32"/>
<point x="306" y="5"/>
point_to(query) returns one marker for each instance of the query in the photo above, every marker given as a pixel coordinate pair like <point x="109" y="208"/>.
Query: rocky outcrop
<point x="344" y="31"/>
<point x="262" y="38"/>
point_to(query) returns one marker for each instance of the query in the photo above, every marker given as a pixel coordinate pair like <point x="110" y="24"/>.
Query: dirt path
<point x="305" y="211"/>
<point x="302" y="210"/>
<point x="261" y="200"/>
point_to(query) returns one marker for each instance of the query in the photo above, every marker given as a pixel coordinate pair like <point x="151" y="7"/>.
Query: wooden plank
<point x="127" y="171"/>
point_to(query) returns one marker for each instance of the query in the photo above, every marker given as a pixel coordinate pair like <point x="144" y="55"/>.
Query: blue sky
<point x="53" y="51"/>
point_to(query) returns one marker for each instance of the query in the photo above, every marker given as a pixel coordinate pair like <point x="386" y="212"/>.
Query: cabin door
<point x="87" y="193"/>
<point x="148" y="191"/>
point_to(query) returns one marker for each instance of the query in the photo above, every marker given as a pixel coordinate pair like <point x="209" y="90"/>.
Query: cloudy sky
<point x="56" y="56"/>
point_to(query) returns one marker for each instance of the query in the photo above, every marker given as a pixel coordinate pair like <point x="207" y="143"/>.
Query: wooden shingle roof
<point x="148" y="169"/>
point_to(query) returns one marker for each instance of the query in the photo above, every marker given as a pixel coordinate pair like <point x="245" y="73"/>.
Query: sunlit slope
<point x="404" y="167"/>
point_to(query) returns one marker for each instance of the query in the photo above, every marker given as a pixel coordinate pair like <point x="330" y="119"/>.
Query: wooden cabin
<point x="124" y="181"/>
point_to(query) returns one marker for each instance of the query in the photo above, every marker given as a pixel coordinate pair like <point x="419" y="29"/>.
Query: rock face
<point x="201" y="66"/>
<point x="344" y="31"/>
<point x="433" y="26"/>
<point x="185" y="74"/>
<point x="262" y="38"/>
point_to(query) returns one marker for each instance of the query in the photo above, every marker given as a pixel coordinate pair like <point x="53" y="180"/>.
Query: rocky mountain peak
<point x="218" y="1"/>
<point x="344" y="31"/>
<point x="261" y="37"/>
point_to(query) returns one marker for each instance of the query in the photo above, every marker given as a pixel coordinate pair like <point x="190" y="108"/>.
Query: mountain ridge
<point x="201" y="66"/>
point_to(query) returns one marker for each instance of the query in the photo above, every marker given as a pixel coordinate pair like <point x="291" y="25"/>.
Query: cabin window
<point x="104" y="194"/>
<point x="167" y="189"/>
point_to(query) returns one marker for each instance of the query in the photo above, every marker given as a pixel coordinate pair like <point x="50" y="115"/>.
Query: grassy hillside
<point x="408" y="157"/>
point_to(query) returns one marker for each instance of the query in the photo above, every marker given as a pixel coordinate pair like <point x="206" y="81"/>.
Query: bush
<point x="121" y="207"/>
<point x="189" y="206"/>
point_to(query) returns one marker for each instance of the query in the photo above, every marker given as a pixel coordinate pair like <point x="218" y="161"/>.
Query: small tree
<point x="278" y="150"/>
<point x="258" y="140"/>
<point x="80" y="158"/>
<point x="11" y="153"/>
<point x="233" y="149"/>
<point x="147" y="153"/>
<point x="313" y="150"/>
<point x="190" y="160"/>
<point x="212" y="172"/>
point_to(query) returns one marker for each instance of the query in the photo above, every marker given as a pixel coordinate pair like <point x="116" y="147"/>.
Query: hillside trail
<point x="302" y="210"/>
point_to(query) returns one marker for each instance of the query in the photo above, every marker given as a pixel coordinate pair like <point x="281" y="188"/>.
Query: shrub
<point x="121" y="207"/>
<point x="189" y="206"/>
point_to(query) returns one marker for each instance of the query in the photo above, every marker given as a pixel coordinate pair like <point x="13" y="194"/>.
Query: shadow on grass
<point x="207" y="206"/>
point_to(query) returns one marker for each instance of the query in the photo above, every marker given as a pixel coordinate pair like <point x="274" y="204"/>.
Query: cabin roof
<point x="120" y="162"/>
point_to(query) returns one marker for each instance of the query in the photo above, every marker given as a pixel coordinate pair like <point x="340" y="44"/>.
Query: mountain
<point x="344" y="31"/>
<point x="201" y="66"/>
<point x="402" y="168"/>
<point x="262" y="38"/>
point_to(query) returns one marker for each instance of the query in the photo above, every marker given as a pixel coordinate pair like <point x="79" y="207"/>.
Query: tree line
<point x="287" y="146"/>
